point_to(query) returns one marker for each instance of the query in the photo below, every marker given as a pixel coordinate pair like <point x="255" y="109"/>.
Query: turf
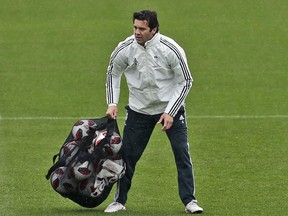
<point x="53" y="60"/>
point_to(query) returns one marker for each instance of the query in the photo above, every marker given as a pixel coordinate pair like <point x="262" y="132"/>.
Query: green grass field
<point x="53" y="60"/>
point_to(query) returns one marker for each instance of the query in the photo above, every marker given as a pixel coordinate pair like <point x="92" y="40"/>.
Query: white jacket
<point x="157" y="75"/>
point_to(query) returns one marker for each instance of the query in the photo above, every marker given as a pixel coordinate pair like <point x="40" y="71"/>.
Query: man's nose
<point x="136" y="31"/>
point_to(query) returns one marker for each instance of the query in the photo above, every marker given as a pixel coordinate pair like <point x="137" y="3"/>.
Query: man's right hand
<point x="112" y="111"/>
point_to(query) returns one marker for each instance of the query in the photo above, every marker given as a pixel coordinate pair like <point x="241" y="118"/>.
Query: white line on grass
<point x="19" y="118"/>
<point x="239" y="116"/>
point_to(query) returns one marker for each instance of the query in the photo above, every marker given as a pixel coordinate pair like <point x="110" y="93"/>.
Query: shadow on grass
<point x="95" y="211"/>
<point x="75" y="211"/>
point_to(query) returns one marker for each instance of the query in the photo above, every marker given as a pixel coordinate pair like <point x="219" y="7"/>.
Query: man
<point x="159" y="80"/>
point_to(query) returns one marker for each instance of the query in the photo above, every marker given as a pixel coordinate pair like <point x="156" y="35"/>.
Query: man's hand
<point x="112" y="112"/>
<point x="167" y="121"/>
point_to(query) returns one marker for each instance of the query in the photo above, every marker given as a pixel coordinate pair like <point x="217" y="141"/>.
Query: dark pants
<point x="137" y="132"/>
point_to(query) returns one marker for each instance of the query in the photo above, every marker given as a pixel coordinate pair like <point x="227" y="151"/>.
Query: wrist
<point x="112" y="105"/>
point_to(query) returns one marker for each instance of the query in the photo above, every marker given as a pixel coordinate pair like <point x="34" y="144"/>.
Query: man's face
<point x="142" y="31"/>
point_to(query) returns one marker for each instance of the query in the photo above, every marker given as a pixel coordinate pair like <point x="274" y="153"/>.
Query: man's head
<point x="145" y="25"/>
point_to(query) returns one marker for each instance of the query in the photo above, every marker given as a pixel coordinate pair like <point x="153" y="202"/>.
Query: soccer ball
<point x="86" y="187"/>
<point x="111" y="148"/>
<point x="61" y="182"/>
<point x="83" y="170"/>
<point x="69" y="147"/>
<point x="100" y="135"/>
<point x="82" y="129"/>
<point x="115" y="144"/>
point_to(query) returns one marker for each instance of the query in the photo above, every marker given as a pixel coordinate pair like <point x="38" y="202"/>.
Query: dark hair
<point x="149" y="16"/>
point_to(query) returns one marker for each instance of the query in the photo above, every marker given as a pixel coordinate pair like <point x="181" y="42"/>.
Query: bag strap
<point x="110" y="127"/>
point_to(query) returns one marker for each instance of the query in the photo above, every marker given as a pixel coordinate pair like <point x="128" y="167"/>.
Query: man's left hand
<point x="167" y="121"/>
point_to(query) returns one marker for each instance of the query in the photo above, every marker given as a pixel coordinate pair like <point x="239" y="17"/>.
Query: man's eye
<point x="140" y="29"/>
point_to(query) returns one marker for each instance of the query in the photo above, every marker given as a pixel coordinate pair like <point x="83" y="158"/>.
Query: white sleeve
<point x="183" y="80"/>
<point x="117" y="65"/>
<point x="113" y="80"/>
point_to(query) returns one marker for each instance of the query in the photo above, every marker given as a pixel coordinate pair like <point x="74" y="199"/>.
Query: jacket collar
<point x="151" y="42"/>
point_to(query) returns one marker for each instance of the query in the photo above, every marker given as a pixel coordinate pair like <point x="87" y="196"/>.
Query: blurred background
<point x="53" y="60"/>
